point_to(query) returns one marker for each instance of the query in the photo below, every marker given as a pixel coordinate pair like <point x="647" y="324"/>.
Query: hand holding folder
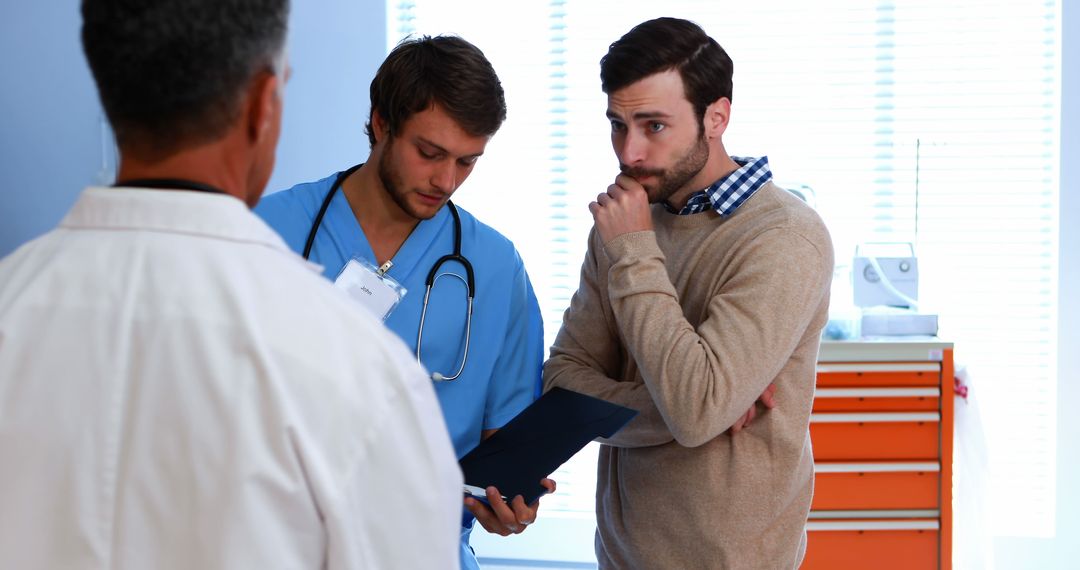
<point x="539" y="440"/>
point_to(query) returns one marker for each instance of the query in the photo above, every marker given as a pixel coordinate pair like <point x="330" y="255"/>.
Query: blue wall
<point x="334" y="48"/>
<point x="51" y="124"/>
<point x="50" y="120"/>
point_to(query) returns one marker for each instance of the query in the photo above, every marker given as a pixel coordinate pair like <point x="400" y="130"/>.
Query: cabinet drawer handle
<point x="883" y="367"/>
<point x="890" y="467"/>
<point x="863" y="515"/>
<point x="869" y="418"/>
<point x="873" y="525"/>
<point x="878" y="393"/>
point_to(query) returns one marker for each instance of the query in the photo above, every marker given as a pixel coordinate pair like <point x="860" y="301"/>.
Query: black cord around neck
<point x="169" y="184"/>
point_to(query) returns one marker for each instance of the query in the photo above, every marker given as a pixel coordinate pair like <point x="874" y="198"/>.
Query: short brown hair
<point x="443" y="70"/>
<point x="664" y="44"/>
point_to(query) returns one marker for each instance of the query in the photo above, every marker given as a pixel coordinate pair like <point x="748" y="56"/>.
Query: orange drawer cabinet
<point x="882" y="435"/>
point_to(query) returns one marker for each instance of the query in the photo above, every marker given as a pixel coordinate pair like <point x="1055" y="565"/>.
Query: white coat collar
<point x="214" y="216"/>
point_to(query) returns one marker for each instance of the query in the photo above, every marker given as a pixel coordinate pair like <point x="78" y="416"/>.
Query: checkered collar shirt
<point x="727" y="194"/>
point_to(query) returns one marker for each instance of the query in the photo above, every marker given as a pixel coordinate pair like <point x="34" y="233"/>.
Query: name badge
<point x="373" y="289"/>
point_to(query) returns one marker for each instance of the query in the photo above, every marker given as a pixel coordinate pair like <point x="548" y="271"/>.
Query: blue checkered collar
<point x="727" y="194"/>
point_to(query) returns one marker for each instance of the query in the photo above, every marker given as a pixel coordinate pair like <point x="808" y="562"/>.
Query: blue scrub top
<point x="502" y="374"/>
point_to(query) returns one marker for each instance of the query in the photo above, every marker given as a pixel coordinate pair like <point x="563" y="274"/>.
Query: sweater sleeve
<point x="586" y="358"/>
<point x="702" y="380"/>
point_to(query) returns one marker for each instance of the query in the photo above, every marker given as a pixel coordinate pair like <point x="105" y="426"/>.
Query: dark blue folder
<point x="540" y="439"/>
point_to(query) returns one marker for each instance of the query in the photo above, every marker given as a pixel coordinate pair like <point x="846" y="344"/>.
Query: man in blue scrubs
<point x="435" y="103"/>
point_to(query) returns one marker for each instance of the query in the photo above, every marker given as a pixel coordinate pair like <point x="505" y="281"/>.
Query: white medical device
<point x="885" y="280"/>
<point x="885" y="274"/>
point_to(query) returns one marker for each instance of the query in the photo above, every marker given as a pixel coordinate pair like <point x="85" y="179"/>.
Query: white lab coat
<point x="178" y="390"/>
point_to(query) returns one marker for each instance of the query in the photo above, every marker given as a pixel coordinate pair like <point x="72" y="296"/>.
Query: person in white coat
<point x="177" y="388"/>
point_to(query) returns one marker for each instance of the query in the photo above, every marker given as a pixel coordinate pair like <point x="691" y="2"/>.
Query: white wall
<point x="1063" y="551"/>
<point x="51" y="120"/>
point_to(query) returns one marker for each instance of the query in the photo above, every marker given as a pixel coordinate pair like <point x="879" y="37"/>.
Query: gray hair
<point x="171" y="73"/>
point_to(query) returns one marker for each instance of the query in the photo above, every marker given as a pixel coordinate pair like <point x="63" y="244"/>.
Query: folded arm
<point x="703" y="380"/>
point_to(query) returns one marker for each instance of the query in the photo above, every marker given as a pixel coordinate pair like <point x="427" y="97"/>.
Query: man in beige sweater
<point x="689" y="310"/>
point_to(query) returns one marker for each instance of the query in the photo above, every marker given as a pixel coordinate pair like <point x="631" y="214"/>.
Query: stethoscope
<point x="470" y="287"/>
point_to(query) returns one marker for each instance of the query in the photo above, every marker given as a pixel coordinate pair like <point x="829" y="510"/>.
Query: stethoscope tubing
<point x="432" y="275"/>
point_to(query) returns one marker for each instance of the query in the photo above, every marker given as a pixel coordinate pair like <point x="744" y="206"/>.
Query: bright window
<point x="864" y="102"/>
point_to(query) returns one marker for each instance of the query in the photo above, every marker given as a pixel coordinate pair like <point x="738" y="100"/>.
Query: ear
<point x="263" y="106"/>
<point x="717" y="116"/>
<point x="379" y="126"/>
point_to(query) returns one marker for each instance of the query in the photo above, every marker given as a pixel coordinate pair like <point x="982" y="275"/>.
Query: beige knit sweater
<point x="689" y="324"/>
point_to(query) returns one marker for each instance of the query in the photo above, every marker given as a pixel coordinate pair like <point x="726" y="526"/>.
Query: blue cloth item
<point x="502" y="375"/>
<point x="727" y="194"/>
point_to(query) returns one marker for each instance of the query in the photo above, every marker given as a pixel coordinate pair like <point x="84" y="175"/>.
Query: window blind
<point x="931" y="122"/>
